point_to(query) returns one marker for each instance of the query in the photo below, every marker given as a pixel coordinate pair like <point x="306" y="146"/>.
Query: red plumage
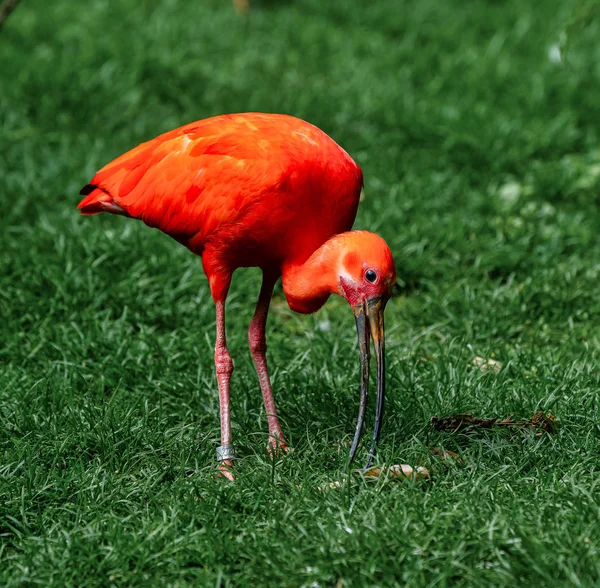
<point x="239" y="190"/>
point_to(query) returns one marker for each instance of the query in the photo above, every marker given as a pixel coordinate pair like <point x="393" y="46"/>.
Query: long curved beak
<point x="370" y="325"/>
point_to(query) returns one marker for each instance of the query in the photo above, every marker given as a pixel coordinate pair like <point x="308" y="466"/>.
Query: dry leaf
<point x="444" y="454"/>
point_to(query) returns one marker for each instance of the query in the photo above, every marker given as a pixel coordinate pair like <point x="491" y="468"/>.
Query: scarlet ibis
<point x="268" y="191"/>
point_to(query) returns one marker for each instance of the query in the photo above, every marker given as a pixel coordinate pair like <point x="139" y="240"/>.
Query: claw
<point x="277" y="447"/>
<point x="226" y="470"/>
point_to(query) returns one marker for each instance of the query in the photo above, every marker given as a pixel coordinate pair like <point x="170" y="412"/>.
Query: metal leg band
<point x="225" y="452"/>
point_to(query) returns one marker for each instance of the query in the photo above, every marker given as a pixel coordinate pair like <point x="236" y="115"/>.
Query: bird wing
<point x="190" y="180"/>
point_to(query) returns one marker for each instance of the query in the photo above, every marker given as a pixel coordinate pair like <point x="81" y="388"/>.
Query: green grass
<point x="481" y="157"/>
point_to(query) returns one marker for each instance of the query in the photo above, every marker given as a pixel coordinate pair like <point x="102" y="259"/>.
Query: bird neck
<point x="307" y="285"/>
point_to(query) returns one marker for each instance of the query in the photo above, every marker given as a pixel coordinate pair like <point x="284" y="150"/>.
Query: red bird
<point x="268" y="191"/>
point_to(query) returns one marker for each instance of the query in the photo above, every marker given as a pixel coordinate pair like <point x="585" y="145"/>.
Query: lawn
<point x="480" y="146"/>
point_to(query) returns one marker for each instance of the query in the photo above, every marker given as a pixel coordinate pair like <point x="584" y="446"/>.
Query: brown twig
<point x="5" y="9"/>
<point x="460" y="422"/>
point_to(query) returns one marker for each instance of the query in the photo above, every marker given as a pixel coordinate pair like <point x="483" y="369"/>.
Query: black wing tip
<point x="87" y="189"/>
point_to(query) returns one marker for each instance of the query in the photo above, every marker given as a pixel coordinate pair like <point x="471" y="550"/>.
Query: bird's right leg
<point x="224" y="369"/>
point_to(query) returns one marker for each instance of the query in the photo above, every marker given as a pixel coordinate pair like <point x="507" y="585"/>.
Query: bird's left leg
<point x="258" y="349"/>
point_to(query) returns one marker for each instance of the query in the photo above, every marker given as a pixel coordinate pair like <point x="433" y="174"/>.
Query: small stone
<point x="554" y="53"/>
<point x="397" y="471"/>
<point x="423" y="472"/>
<point x="487" y="365"/>
<point x="402" y="469"/>
<point x="329" y="485"/>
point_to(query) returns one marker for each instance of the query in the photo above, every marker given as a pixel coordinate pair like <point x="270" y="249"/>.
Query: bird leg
<point x="224" y="369"/>
<point x="258" y="350"/>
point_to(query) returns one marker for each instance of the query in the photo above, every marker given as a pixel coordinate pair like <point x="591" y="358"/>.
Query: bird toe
<point x="226" y="470"/>
<point x="277" y="447"/>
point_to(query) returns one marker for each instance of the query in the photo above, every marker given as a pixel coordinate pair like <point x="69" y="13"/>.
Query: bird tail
<point x="97" y="200"/>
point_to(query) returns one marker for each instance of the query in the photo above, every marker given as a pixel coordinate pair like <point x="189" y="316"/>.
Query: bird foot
<point x="277" y="446"/>
<point x="226" y="470"/>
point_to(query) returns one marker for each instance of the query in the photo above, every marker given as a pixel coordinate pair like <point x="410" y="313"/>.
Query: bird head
<point x="366" y="267"/>
<point x="367" y="277"/>
<point x="358" y="266"/>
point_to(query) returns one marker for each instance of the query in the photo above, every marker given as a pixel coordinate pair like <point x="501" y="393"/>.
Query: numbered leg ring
<point x="225" y="452"/>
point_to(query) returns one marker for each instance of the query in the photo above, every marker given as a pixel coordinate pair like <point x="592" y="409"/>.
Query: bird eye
<point x="371" y="276"/>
